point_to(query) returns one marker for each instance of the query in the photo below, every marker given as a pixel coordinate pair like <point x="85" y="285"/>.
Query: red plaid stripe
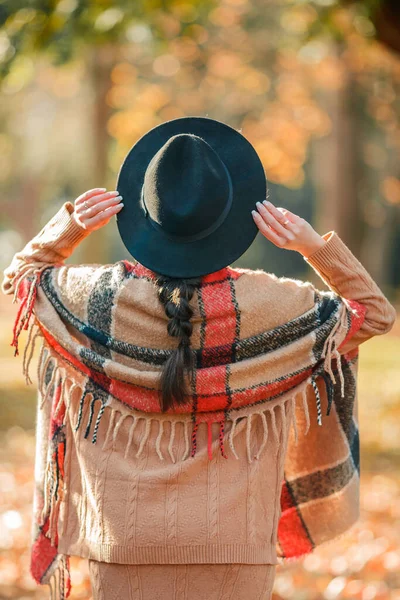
<point x="220" y="330"/>
<point x="292" y="534"/>
<point x="220" y="314"/>
<point x="357" y="319"/>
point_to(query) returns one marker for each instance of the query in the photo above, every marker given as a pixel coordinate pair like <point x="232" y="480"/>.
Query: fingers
<point x="279" y="225"/>
<point x="99" y="207"/>
<point x="266" y="229"/>
<point x="288" y="215"/>
<point x="89" y="194"/>
<point x="103" y="217"/>
<point x="93" y="197"/>
<point x="94" y="208"/>
<point x="274" y="218"/>
<point x="279" y="216"/>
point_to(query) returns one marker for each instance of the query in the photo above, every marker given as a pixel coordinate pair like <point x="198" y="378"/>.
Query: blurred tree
<point x="95" y="30"/>
<point x="385" y="16"/>
<point x="64" y="28"/>
<point x="285" y="73"/>
<point x="387" y="22"/>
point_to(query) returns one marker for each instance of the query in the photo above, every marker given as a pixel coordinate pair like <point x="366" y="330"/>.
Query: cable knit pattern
<point x="213" y="503"/>
<point x="283" y="432"/>
<point x="101" y="475"/>
<point x="233" y="476"/>
<point x="252" y="493"/>
<point x="181" y="582"/>
<point x="181" y="573"/>
<point x="232" y="574"/>
<point x="133" y="492"/>
<point x="171" y="509"/>
<point x="133" y="578"/>
<point x="171" y="498"/>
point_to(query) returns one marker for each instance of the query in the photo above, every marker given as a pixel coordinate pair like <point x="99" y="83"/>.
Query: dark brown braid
<point x="175" y="295"/>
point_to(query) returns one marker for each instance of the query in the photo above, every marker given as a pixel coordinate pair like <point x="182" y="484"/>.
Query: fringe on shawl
<point x="29" y="276"/>
<point x="58" y="377"/>
<point x="58" y="577"/>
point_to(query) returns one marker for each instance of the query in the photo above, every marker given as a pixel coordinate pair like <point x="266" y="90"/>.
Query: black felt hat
<point x="188" y="188"/>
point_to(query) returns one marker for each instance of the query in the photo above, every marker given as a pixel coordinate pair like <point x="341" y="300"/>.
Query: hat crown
<point x="189" y="186"/>
<point x="187" y="190"/>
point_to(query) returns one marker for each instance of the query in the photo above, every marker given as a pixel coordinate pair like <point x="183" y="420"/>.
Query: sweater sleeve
<point x="345" y="276"/>
<point x="51" y="246"/>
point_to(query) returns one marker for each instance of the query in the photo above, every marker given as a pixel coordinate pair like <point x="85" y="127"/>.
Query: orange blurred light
<point x="127" y="126"/>
<point x="391" y="190"/>
<point x="152" y="97"/>
<point x="269" y="152"/>
<point x="298" y="19"/>
<point x="254" y="81"/>
<point x="225" y="64"/>
<point x="166" y="65"/>
<point x="123" y="73"/>
<point x="120" y="96"/>
<point x="224" y="16"/>
<point x="185" y="48"/>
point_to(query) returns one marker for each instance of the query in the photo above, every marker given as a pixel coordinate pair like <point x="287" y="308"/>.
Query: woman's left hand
<point x="95" y="208"/>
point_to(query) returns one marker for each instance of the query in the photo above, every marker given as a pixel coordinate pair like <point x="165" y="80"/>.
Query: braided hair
<point x="175" y="295"/>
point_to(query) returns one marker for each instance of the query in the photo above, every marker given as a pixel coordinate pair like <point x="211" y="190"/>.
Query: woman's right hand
<point x="94" y="208"/>
<point x="286" y="230"/>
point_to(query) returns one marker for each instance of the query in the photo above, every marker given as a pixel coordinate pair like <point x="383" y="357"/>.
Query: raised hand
<point x="285" y="229"/>
<point x="94" y="208"/>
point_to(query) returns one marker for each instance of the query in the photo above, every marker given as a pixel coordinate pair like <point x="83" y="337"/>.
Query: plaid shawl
<point x="76" y="311"/>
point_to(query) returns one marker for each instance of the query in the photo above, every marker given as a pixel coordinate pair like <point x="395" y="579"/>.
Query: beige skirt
<point x="112" y="581"/>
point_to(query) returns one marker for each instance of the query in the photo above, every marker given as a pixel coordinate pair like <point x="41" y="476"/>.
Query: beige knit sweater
<point x="123" y="502"/>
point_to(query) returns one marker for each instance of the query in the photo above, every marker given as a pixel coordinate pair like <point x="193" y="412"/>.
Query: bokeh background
<point x="314" y="85"/>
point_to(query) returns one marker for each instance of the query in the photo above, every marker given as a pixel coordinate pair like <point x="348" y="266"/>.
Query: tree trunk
<point x="335" y="168"/>
<point x="101" y="61"/>
<point x="338" y="170"/>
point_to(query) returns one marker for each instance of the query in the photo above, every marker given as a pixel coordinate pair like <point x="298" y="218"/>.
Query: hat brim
<point x="230" y="240"/>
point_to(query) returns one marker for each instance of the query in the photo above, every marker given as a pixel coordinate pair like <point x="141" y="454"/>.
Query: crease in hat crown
<point x="186" y="167"/>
